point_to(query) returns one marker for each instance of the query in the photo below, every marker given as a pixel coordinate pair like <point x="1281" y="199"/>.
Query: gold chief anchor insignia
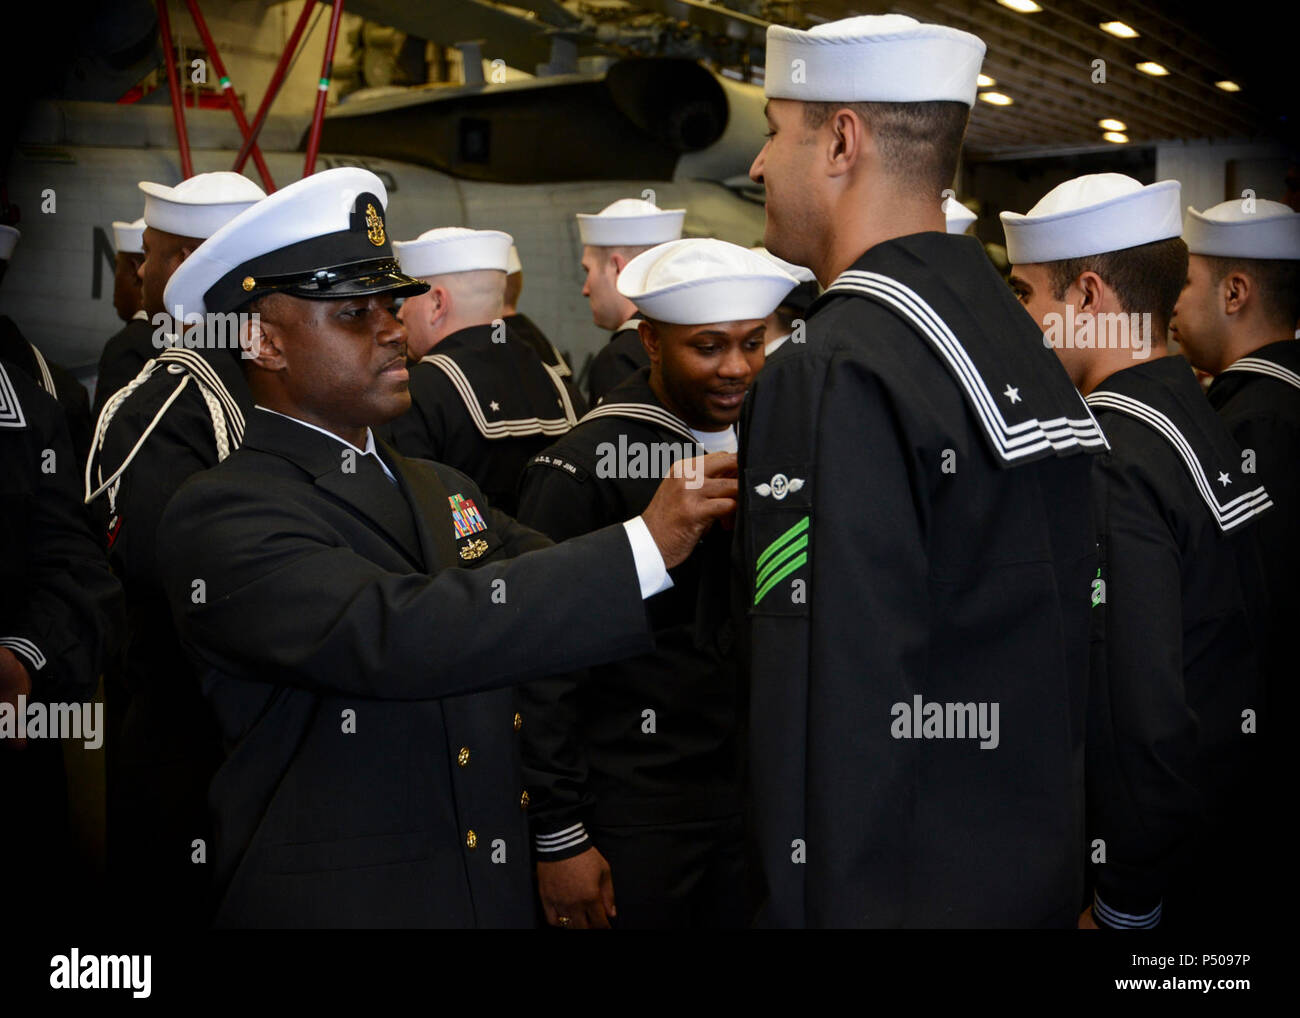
<point x="374" y="226"/>
<point x="474" y="549"/>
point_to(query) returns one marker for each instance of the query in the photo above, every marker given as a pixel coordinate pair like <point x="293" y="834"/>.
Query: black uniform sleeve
<point x="66" y="618"/>
<point x="819" y="407"/>
<point x="562" y="506"/>
<point x="421" y="432"/>
<point x="264" y="589"/>
<point x="1141" y="741"/>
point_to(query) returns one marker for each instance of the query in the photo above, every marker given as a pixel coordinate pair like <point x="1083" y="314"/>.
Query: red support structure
<point x="273" y="87"/>
<point x="210" y="44"/>
<point x="327" y="68"/>
<point x="174" y="86"/>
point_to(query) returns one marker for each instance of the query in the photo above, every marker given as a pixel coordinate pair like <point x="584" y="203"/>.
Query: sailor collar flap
<point x="1025" y="404"/>
<point x="1158" y="396"/>
<point x="471" y="368"/>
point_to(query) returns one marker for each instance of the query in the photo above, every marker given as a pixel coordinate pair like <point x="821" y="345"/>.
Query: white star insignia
<point x="495" y="406"/>
<point x="1224" y="479"/>
<point x="1012" y="394"/>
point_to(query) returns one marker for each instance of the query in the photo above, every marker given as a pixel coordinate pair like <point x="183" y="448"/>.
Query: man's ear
<point x="262" y="342"/>
<point x="439" y="304"/>
<point x="1091" y="292"/>
<point x="618" y="262"/>
<point x="1237" y="289"/>
<point x="850" y="140"/>
<point x="649" y="340"/>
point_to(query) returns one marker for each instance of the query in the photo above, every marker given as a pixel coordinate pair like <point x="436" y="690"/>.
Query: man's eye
<point x="707" y="351"/>
<point x="769" y="133"/>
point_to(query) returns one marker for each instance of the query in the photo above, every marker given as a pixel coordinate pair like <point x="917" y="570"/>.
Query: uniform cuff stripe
<point x="26" y="648"/>
<point x="1124" y="920"/>
<point x="557" y="841"/>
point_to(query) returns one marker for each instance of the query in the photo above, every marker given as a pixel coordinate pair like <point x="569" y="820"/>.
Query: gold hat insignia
<point x="374" y="226"/>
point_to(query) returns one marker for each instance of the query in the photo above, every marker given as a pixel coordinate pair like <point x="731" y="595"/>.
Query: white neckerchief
<point x="717" y="441"/>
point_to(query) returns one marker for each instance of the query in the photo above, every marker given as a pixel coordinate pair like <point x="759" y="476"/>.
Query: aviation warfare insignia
<point x="467" y="520"/>
<point x="780" y="486"/>
<point x="374" y="226"/>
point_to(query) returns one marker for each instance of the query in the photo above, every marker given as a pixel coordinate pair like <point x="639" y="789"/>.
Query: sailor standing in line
<point x="914" y="527"/>
<point x="131" y="346"/>
<point x="1175" y="654"/>
<point x="524" y="328"/>
<point x="60" y="626"/>
<point x="633" y="768"/>
<point x="53" y="378"/>
<point x="610" y="239"/>
<point x="200" y="204"/>
<point x="481" y="400"/>
<point x="184" y="413"/>
<point x="1235" y="319"/>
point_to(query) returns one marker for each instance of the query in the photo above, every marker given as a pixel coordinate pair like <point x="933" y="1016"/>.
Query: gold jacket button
<point x="519" y="722"/>
<point x="524" y="800"/>
<point x="462" y="757"/>
<point x="471" y="840"/>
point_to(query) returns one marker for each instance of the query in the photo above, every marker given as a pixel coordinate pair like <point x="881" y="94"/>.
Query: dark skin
<point x="127" y="297"/>
<point x="700" y="373"/>
<point x="341" y="365"/>
<point x="14" y="682"/>
<point x="163" y="254"/>
<point x="337" y="364"/>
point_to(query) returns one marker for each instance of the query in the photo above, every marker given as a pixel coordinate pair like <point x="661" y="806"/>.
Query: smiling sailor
<point x="914" y="519"/>
<point x="653" y="796"/>
<point x="1175" y="653"/>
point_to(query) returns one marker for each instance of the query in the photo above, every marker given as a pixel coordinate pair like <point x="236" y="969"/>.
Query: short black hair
<point x="1147" y="279"/>
<point x="1278" y="280"/>
<point x="919" y="142"/>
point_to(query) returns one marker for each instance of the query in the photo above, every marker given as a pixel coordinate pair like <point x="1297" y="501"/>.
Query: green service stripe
<point x="324" y="83"/>
<point x="224" y="82"/>
<point x="782" y="556"/>
<point x="780" y="575"/>
<point x="776" y="545"/>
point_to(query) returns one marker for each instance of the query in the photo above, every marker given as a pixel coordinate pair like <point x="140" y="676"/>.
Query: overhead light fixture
<point x="996" y="98"/>
<point x="1154" y="69"/>
<point x="1111" y="124"/>
<point x="1119" y="30"/>
<point x="1228" y="86"/>
<point x="984" y="81"/>
<point x="1021" y="6"/>
<point x="1116" y="137"/>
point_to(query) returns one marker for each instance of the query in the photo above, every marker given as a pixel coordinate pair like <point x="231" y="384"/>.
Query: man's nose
<point x="756" y="167"/>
